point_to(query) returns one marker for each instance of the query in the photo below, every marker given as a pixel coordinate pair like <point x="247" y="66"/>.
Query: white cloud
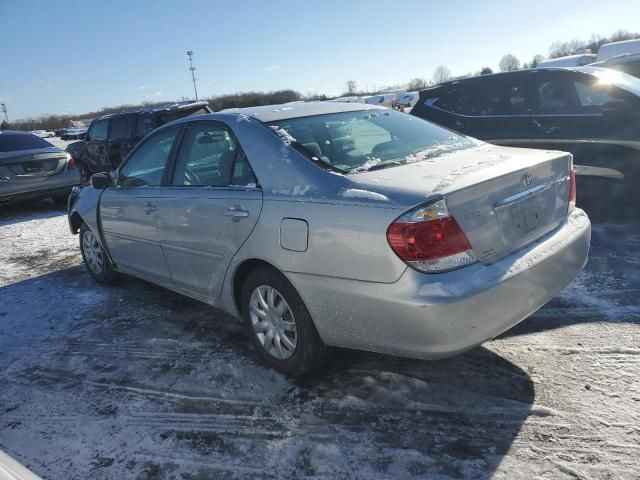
<point x="141" y="87"/>
<point x="271" y="68"/>
<point x="154" y="95"/>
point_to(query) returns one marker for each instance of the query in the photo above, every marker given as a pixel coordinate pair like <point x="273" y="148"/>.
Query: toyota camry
<point x="339" y="224"/>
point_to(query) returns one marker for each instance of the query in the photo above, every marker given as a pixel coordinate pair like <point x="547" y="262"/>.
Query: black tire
<point x="310" y="352"/>
<point x="105" y="272"/>
<point x="60" y="199"/>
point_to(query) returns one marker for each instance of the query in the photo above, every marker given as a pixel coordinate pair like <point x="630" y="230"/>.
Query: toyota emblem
<point x="527" y="179"/>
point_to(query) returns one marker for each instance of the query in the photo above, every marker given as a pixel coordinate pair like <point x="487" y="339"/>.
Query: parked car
<point x="592" y="112"/>
<point x="263" y="213"/>
<point x="42" y="133"/>
<point x="30" y="167"/>
<point x="614" y="49"/>
<point x="111" y="137"/>
<point x="73" y="134"/>
<point x="568" y="61"/>
<point x="627" y="63"/>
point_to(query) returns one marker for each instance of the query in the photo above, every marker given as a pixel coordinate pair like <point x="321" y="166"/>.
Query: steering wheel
<point x="191" y="177"/>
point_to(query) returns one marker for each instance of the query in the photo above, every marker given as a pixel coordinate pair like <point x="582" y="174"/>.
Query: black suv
<point x="591" y="112"/>
<point x="111" y="137"/>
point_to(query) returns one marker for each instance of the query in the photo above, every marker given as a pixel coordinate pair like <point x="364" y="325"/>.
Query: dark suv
<point x="591" y="112"/>
<point x="110" y="138"/>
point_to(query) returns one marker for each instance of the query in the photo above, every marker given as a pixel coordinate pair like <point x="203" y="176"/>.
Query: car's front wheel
<point x="95" y="258"/>
<point x="279" y="323"/>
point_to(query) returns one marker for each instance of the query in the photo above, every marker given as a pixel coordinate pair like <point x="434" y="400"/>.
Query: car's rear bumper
<point x="438" y="315"/>
<point x="38" y="187"/>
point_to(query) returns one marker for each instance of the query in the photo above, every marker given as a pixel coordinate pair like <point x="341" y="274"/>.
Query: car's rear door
<point x="209" y="210"/>
<point x="129" y="211"/>
<point x="95" y="154"/>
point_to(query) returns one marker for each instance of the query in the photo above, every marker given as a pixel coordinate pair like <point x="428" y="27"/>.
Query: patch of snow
<point x="365" y="194"/>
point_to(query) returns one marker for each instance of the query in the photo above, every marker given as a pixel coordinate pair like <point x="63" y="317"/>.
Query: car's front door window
<point x="147" y="164"/>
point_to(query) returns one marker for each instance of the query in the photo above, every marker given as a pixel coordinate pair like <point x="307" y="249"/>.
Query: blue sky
<point x="77" y="56"/>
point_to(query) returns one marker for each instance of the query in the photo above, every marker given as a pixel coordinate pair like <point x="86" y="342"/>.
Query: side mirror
<point x="101" y="181"/>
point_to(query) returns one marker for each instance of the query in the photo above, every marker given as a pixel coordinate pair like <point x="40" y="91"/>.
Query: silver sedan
<point x="335" y="224"/>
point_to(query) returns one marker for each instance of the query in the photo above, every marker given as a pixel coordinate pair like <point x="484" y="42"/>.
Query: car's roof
<point x="161" y="108"/>
<point x="586" y="69"/>
<point x="272" y="113"/>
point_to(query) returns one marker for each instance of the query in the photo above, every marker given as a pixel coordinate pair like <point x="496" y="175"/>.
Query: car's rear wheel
<point x="95" y="258"/>
<point x="279" y="323"/>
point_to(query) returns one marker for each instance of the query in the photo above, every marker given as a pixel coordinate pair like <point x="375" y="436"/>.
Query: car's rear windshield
<point x="10" y="142"/>
<point x="354" y="142"/>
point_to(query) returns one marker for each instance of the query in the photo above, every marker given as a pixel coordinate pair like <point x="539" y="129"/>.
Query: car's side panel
<point x="201" y="229"/>
<point x="345" y="241"/>
<point x="128" y="218"/>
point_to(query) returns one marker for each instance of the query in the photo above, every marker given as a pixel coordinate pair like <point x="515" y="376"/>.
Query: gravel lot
<point x="136" y="382"/>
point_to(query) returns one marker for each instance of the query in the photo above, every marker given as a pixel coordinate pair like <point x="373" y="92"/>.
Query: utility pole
<point x="193" y="75"/>
<point x="4" y="110"/>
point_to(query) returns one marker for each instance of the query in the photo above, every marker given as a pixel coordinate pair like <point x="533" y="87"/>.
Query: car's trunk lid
<point x="502" y="198"/>
<point x="29" y="164"/>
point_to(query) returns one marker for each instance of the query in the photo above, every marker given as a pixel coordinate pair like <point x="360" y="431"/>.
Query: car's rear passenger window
<point x="206" y="156"/>
<point x="121" y="127"/>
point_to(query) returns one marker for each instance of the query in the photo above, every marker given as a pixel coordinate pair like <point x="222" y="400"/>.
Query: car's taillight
<point x="429" y="239"/>
<point x="572" y="189"/>
<point x="71" y="162"/>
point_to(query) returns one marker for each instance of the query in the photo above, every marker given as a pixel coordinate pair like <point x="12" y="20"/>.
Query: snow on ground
<point x="136" y="382"/>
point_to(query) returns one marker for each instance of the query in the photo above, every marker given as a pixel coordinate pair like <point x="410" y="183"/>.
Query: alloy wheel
<point x="273" y="322"/>
<point x="92" y="252"/>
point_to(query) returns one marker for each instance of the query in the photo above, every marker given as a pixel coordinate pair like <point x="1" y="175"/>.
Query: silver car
<point x="338" y="224"/>
<point x="30" y="167"/>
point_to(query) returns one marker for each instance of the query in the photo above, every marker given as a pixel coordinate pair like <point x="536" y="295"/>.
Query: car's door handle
<point x="150" y="207"/>
<point x="236" y="212"/>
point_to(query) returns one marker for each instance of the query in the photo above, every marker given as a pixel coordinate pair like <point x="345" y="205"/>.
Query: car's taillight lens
<point x="572" y="189"/>
<point x="430" y="240"/>
<point x="71" y="162"/>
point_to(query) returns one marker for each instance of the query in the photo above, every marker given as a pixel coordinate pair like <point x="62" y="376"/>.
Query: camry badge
<point x="527" y="179"/>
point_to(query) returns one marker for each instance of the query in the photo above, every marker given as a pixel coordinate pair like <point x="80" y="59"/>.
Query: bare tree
<point x="417" y="84"/>
<point x="351" y="86"/>
<point x="509" y="63"/>
<point x="441" y="74"/>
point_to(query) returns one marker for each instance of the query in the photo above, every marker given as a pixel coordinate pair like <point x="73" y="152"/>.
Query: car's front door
<point x="129" y="210"/>
<point x="95" y="155"/>
<point x="208" y="210"/>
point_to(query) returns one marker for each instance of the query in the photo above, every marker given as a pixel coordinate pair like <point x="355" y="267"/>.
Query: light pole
<point x="193" y="75"/>
<point x="4" y="110"/>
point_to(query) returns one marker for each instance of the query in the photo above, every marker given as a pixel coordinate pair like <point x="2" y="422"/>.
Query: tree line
<point x="508" y="62"/>
<point x="219" y="102"/>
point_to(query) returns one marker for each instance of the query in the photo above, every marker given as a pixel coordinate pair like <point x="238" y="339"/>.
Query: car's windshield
<point x="613" y="77"/>
<point x="10" y="142"/>
<point x="353" y="142"/>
